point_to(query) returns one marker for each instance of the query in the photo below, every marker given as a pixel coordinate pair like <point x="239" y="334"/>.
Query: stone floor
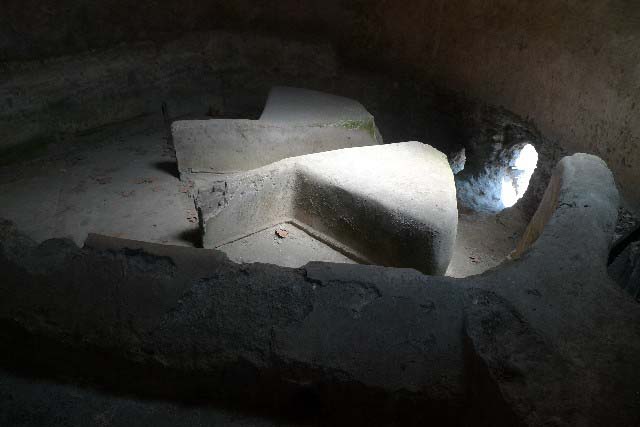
<point x="485" y="240"/>
<point x="294" y="249"/>
<point x="122" y="181"/>
<point x="119" y="181"/>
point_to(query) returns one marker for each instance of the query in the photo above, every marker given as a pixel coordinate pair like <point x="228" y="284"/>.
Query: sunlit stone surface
<point x="391" y="204"/>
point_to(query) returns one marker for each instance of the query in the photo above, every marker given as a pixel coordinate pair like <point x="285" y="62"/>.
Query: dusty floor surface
<point x="485" y="240"/>
<point x="285" y="245"/>
<point x="122" y="181"/>
<point x="119" y="181"/>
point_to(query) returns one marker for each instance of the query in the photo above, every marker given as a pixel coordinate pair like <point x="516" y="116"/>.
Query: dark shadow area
<point x="284" y="402"/>
<point x="622" y="243"/>
<point x="168" y="167"/>
<point x="192" y="237"/>
<point x="624" y="262"/>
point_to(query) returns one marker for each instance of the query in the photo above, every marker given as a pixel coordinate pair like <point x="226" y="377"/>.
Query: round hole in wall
<point x="497" y="178"/>
<point x="516" y="178"/>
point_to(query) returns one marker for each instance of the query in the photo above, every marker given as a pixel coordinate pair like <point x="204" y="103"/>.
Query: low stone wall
<point x="545" y="339"/>
<point x="226" y="146"/>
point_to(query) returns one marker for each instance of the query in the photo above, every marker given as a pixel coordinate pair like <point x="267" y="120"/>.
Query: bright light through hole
<point x="515" y="183"/>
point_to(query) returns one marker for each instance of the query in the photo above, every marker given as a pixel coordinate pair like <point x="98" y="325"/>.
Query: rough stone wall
<point x="572" y="67"/>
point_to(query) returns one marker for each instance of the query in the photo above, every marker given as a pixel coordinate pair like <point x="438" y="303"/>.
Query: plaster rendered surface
<point x="390" y="204"/>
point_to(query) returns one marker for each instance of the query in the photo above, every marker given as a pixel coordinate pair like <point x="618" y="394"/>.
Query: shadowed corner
<point x="191" y="236"/>
<point x="168" y="167"/>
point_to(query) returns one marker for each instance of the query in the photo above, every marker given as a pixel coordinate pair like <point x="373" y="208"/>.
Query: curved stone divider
<point x="547" y="339"/>
<point x="392" y="204"/>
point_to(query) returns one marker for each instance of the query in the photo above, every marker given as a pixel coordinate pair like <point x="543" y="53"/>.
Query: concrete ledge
<point x="546" y="339"/>
<point x="304" y="106"/>
<point x="391" y="204"/>
<point x="294" y="122"/>
<point x="223" y="146"/>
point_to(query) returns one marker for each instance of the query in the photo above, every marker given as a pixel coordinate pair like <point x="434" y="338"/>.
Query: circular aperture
<point x="516" y="179"/>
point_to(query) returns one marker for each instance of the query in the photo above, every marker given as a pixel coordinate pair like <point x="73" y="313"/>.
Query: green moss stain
<point x="366" y="125"/>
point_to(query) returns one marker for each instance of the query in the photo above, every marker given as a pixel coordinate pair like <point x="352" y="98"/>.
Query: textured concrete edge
<point x="528" y="340"/>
